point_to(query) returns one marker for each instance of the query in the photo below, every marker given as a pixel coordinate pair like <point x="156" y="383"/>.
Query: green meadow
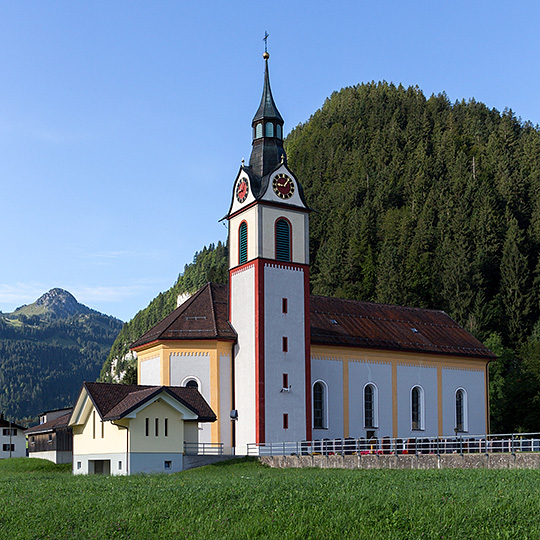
<point x="244" y="499"/>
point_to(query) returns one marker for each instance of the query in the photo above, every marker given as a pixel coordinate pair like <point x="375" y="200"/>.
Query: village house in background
<point x="127" y="429"/>
<point x="52" y="438"/>
<point x="13" y="439"/>
<point x="278" y="364"/>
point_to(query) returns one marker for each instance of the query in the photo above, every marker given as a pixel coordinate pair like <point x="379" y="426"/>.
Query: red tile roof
<point x="334" y="321"/>
<point x="203" y="316"/>
<point x="381" y="326"/>
<point x="114" y="401"/>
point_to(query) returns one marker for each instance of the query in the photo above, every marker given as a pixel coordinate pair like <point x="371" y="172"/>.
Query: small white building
<point x="13" y="439"/>
<point x="126" y="429"/>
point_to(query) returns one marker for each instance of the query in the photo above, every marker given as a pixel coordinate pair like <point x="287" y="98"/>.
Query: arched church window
<point x="417" y="408"/>
<point x="283" y="240"/>
<point x="192" y="383"/>
<point x="370" y="406"/>
<point x="278" y="131"/>
<point x="319" y="405"/>
<point x="258" y="131"/>
<point x="242" y="243"/>
<point x="461" y="410"/>
<point x="269" y="129"/>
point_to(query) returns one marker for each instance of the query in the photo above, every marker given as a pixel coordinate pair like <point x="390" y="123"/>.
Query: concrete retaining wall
<point x="422" y="461"/>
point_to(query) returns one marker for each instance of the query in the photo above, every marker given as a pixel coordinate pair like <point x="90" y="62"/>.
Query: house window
<point x="269" y="129"/>
<point x="370" y="406"/>
<point x="79" y="464"/>
<point x="32" y="440"/>
<point x="242" y="243"/>
<point x="119" y="465"/>
<point x="168" y="465"/>
<point x="93" y="424"/>
<point x="417" y="408"/>
<point x="258" y="131"/>
<point x="461" y="410"/>
<point x="156" y="427"/>
<point x="49" y="438"/>
<point x="284" y="305"/>
<point x="319" y="405"/>
<point x="285" y="421"/>
<point x="166" y="430"/>
<point x="147" y="426"/>
<point x="285" y="344"/>
<point x="283" y="240"/>
<point x="9" y="431"/>
<point x="8" y="447"/>
<point x="286" y="381"/>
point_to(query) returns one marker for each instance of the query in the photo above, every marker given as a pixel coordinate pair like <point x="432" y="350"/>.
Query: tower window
<point x="278" y="131"/>
<point x="242" y="243"/>
<point x="258" y="131"/>
<point x="285" y="421"/>
<point x="285" y="344"/>
<point x="286" y="380"/>
<point x="283" y="240"/>
<point x="192" y="383"/>
<point x="269" y="129"/>
<point x="284" y="306"/>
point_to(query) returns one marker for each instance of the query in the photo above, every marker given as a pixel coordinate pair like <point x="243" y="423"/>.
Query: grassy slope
<point x="247" y="500"/>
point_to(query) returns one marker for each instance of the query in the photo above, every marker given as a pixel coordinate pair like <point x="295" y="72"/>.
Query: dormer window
<point x="269" y="129"/>
<point x="258" y="131"/>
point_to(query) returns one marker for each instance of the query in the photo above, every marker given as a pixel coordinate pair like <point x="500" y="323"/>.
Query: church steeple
<point x="267" y="152"/>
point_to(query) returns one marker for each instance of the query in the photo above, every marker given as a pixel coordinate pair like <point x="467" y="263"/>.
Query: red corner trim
<point x="259" y="352"/>
<point x="307" y="337"/>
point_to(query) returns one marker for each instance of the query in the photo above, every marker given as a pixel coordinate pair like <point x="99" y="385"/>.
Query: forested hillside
<point x="47" y="350"/>
<point x="428" y="203"/>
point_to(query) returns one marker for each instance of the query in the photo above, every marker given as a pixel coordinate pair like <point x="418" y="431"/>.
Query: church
<point x="277" y="364"/>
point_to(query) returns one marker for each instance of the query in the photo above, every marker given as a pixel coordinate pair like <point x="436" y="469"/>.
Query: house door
<point x="102" y="466"/>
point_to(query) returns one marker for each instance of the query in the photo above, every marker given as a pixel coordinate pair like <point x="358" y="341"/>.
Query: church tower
<point x="269" y="289"/>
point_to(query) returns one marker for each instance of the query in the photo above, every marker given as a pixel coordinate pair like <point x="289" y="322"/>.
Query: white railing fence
<point x="203" y="449"/>
<point x="459" y="444"/>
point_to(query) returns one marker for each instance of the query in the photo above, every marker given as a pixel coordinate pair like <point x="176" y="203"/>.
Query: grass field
<point x="246" y="500"/>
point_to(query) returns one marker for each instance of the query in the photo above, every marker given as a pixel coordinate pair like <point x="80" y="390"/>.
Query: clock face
<point x="283" y="186"/>
<point x="242" y="190"/>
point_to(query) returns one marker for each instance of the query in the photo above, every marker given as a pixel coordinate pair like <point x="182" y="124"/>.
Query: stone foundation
<point x="421" y="461"/>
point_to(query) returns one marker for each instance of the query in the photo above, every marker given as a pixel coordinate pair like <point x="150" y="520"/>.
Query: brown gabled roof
<point x="6" y="424"/>
<point x="114" y="401"/>
<point x="334" y="321"/>
<point x="57" y="423"/>
<point x="363" y="324"/>
<point x="203" y="316"/>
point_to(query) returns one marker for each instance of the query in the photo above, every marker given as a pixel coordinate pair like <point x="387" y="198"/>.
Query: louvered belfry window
<point x="242" y="250"/>
<point x="283" y="240"/>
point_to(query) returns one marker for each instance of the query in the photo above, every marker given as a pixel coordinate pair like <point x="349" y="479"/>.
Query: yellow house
<point x="128" y="429"/>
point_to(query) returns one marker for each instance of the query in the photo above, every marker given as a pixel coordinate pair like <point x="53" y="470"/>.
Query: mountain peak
<point x="57" y="302"/>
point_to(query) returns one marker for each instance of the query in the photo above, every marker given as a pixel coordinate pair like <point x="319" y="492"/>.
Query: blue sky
<point x="123" y="124"/>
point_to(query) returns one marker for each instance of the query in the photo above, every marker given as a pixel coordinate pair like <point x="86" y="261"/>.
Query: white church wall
<point x="408" y="376"/>
<point x="283" y="282"/>
<point x="186" y="365"/>
<point x="150" y="371"/>
<point x="251" y="217"/>
<point x="362" y="372"/>
<point x="473" y="382"/>
<point x="330" y="371"/>
<point x="225" y="400"/>
<point x="242" y="307"/>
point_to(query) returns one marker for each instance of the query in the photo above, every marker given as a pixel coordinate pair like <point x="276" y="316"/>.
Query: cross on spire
<point x="265" y="39"/>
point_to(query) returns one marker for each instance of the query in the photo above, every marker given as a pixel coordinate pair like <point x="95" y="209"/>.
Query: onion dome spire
<point x="267" y="151"/>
